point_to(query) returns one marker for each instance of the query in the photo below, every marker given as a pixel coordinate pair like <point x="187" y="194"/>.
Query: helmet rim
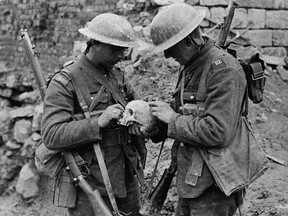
<point x="181" y="34"/>
<point x="110" y="29"/>
<point x="103" y="39"/>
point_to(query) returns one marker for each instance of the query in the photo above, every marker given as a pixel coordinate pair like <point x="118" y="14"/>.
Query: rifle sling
<point x="148" y="194"/>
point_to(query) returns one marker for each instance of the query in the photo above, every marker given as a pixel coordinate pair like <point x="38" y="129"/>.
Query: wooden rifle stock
<point x="225" y="27"/>
<point x="99" y="206"/>
<point x="153" y="206"/>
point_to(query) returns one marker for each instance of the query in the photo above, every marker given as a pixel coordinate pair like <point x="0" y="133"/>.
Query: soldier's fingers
<point x="154" y="103"/>
<point x="118" y="106"/>
<point x="153" y="109"/>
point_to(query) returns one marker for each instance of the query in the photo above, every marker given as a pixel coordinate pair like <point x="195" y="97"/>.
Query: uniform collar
<point x="86" y="64"/>
<point x="201" y="56"/>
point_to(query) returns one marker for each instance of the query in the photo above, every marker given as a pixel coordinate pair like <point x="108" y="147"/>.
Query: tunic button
<point x="181" y="145"/>
<point x="122" y="90"/>
<point x="191" y="97"/>
<point x="92" y="98"/>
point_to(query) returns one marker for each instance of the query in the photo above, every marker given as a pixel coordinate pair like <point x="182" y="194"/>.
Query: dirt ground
<point x="156" y="77"/>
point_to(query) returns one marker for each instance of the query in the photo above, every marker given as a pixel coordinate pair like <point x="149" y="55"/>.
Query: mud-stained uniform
<point x="211" y="125"/>
<point x="60" y="130"/>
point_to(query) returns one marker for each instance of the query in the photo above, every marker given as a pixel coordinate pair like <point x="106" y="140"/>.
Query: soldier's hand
<point x="134" y="129"/>
<point x="113" y="112"/>
<point x="161" y="110"/>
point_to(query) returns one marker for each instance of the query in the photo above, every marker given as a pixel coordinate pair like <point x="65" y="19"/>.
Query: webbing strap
<point x="103" y="81"/>
<point x="77" y="82"/>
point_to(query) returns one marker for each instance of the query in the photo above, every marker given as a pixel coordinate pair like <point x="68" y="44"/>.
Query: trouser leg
<point x="213" y="202"/>
<point x="129" y="204"/>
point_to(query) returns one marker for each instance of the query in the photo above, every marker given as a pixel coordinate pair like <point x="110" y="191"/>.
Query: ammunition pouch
<point x="255" y="81"/>
<point x="192" y="109"/>
<point x="120" y="136"/>
<point x="51" y="162"/>
<point x="114" y="136"/>
<point x="253" y="65"/>
<point x="191" y="106"/>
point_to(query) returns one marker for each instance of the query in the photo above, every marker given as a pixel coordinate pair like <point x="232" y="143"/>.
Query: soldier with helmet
<point x="204" y="114"/>
<point x="109" y="35"/>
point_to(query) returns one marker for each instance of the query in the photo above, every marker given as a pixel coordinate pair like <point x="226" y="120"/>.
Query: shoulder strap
<point x="202" y="85"/>
<point x="108" y="86"/>
<point x="81" y="89"/>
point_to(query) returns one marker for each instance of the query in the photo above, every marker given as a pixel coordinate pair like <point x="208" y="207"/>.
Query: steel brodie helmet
<point x="110" y="29"/>
<point x="173" y="23"/>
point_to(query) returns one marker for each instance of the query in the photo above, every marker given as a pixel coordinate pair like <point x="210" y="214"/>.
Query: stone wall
<point x="52" y="25"/>
<point x="268" y="21"/>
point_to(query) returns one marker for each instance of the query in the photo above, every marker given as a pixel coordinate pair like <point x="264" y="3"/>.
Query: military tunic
<point x="62" y="131"/>
<point x="215" y="119"/>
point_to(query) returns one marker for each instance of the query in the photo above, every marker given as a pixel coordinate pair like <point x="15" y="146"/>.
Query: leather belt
<point x="114" y="136"/>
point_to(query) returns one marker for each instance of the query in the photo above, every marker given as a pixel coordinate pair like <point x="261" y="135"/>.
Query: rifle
<point x="96" y="200"/>
<point x="94" y="197"/>
<point x="153" y="205"/>
<point x="153" y="201"/>
<point x="225" y="26"/>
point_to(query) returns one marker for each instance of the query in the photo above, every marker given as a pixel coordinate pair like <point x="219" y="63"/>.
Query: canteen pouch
<point x="65" y="192"/>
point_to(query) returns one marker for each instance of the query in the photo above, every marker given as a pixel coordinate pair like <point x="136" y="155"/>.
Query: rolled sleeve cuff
<point x="172" y="126"/>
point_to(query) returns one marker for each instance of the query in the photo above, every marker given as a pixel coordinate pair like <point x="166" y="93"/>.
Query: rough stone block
<point x="274" y="51"/>
<point x="192" y="2"/>
<point x="280" y="38"/>
<point x="100" y="2"/>
<point x="27" y="184"/>
<point x="240" y="19"/>
<point x="257" y="18"/>
<point x="283" y="73"/>
<point x="213" y="2"/>
<point x="22" y="130"/>
<point x="217" y="14"/>
<point x="270" y="4"/>
<point x="259" y="37"/>
<point x="277" y="19"/>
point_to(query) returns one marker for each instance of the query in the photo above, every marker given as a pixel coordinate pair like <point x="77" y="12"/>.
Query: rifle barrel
<point x="227" y="24"/>
<point x="34" y="62"/>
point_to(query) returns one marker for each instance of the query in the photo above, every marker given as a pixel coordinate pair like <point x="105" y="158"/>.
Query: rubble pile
<point x="20" y="118"/>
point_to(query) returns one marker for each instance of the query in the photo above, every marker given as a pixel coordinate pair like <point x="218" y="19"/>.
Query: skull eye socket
<point x="130" y="111"/>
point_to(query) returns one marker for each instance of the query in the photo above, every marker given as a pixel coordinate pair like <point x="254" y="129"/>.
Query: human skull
<point x="138" y="111"/>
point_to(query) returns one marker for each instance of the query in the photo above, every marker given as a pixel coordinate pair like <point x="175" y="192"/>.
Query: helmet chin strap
<point x="195" y="43"/>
